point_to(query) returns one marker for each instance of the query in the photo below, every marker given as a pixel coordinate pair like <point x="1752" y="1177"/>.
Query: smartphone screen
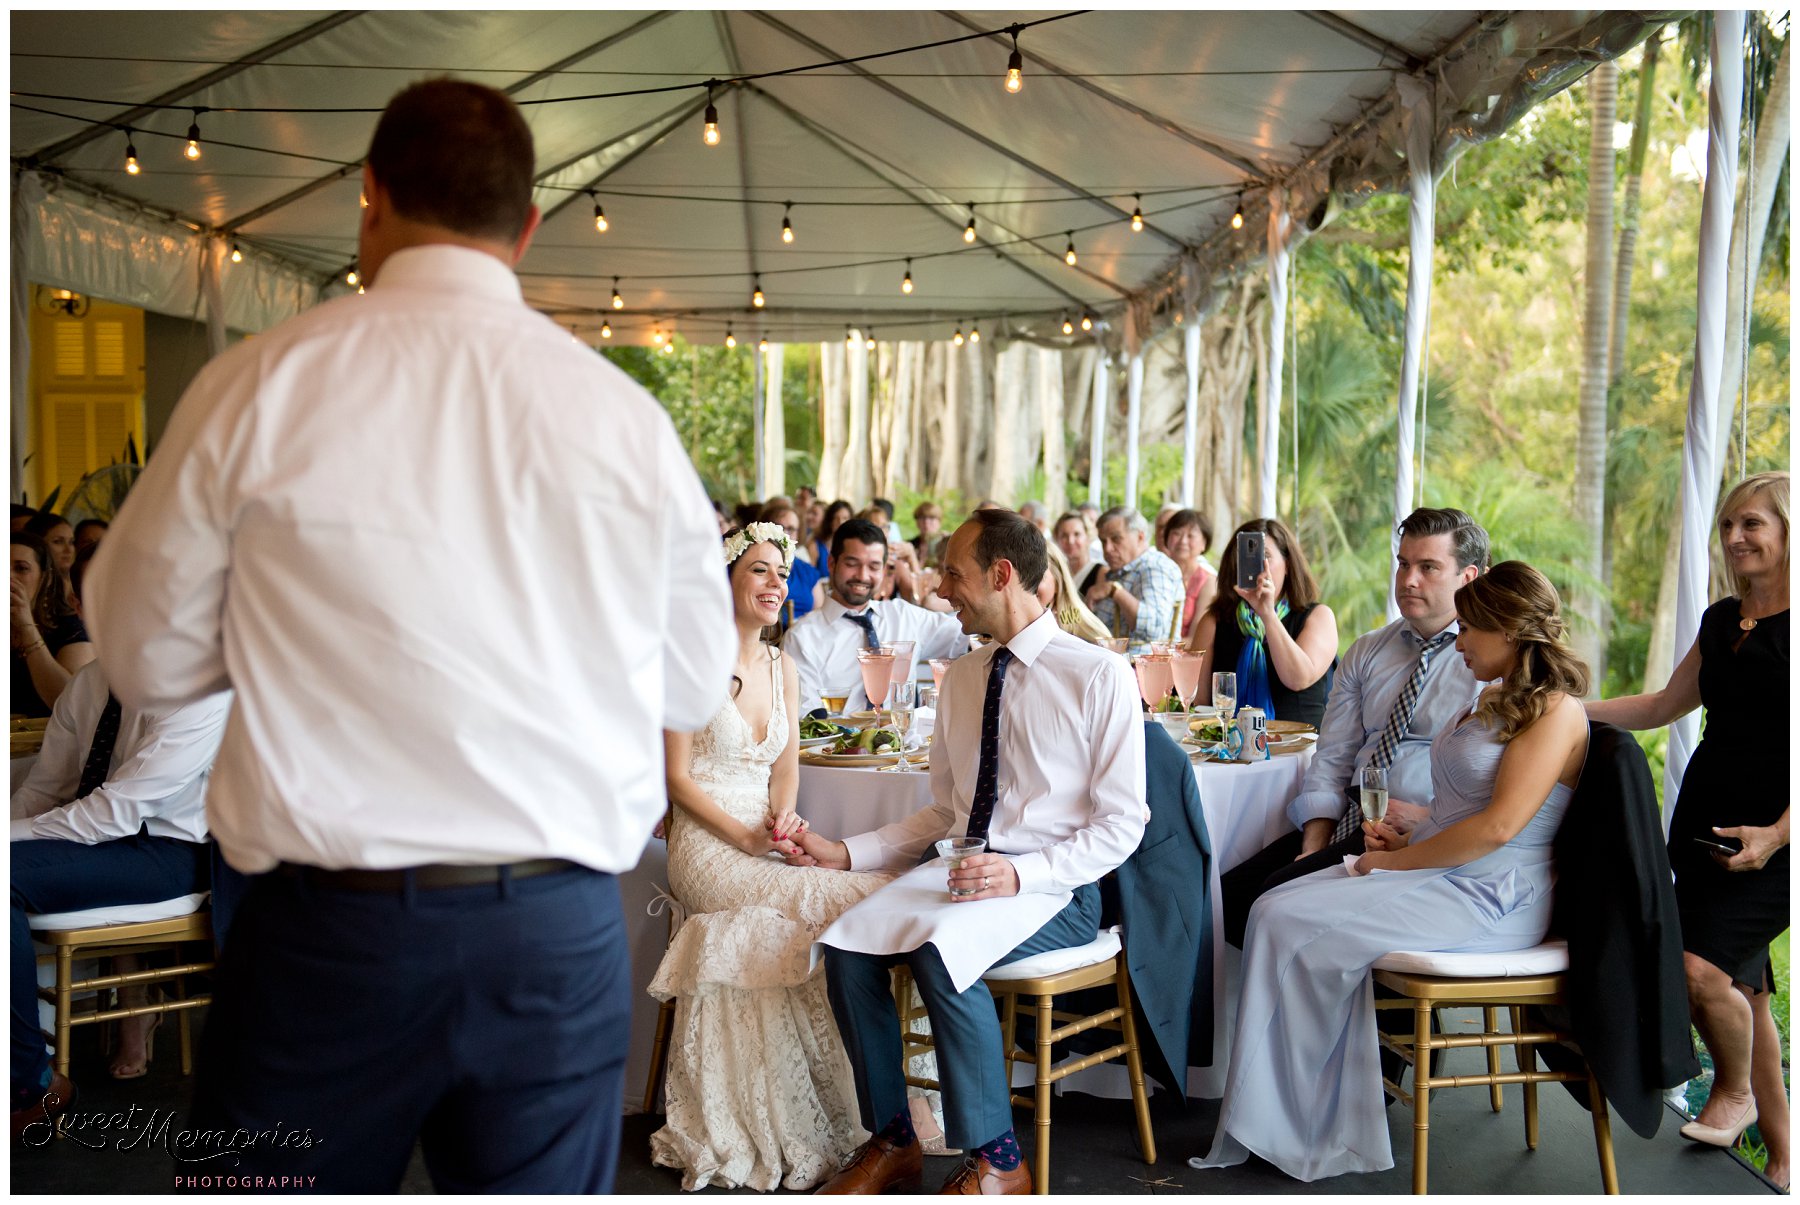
<point x="1249" y="558"/>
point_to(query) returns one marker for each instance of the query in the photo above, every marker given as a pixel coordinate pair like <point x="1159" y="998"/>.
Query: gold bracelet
<point x="31" y="648"/>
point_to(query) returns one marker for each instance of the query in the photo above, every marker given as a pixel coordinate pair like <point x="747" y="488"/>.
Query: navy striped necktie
<point x="866" y="622"/>
<point x="987" y="776"/>
<point x="100" y="749"/>
<point x="1399" y="722"/>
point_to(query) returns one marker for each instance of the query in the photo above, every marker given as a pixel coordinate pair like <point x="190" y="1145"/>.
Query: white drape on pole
<point x="1134" y="423"/>
<point x="1416" y="95"/>
<point x="1278" y="292"/>
<point x="1700" y="453"/>
<point x="1102" y="398"/>
<point x="759" y="468"/>
<point x="212" y="254"/>
<point x="774" y="426"/>
<point x="1190" y="420"/>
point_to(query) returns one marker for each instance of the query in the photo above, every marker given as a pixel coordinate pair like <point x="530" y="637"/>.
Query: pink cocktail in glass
<point x="877" y="674"/>
<point x="904" y="651"/>
<point x="938" y="666"/>
<point x="1156" y="677"/>
<point x="1186" y="668"/>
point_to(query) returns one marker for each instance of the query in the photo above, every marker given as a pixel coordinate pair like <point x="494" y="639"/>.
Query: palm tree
<point x="1590" y="605"/>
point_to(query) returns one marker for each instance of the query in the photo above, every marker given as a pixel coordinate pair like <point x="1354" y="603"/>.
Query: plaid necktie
<point x="866" y="622"/>
<point x="1398" y="722"/>
<point x="100" y="749"/>
<point x="987" y="776"/>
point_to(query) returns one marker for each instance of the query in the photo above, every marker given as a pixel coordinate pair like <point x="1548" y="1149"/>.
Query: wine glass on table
<point x="877" y="666"/>
<point x="900" y="717"/>
<point x="905" y="655"/>
<point x="1186" y="668"/>
<point x="1225" y="699"/>
<point x="1374" y="799"/>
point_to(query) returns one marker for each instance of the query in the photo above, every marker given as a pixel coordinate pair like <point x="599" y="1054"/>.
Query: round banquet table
<point x="1245" y="807"/>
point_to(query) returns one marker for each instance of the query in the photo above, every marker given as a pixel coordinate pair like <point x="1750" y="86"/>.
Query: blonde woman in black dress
<point x="1735" y="792"/>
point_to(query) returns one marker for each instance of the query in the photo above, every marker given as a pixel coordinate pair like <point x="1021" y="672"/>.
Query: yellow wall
<point x="87" y="391"/>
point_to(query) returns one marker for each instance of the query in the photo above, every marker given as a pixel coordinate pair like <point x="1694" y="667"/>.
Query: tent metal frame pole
<point x="181" y="92"/>
<point x="1356" y="33"/>
<point x="513" y="89"/>
<point x="868" y="164"/>
<point x="998" y="148"/>
<point x="1166" y="124"/>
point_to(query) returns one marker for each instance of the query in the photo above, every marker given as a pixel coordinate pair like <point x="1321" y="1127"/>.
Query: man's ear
<point x="525" y="236"/>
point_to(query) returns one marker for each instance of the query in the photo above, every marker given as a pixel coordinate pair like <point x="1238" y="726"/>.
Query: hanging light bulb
<point x="849" y="336"/>
<point x="618" y="301"/>
<point x="656" y="336"/>
<point x="762" y="345"/>
<point x="1137" y="214"/>
<point x="669" y="348"/>
<point x="601" y="225"/>
<point x="193" y="138"/>
<point x="969" y="230"/>
<point x="869" y="341"/>
<point x="730" y="339"/>
<point x="237" y="256"/>
<point x="360" y="290"/>
<point x="756" y="296"/>
<point x="974" y="332"/>
<point x="1015" y="65"/>
<point x="787" y="227"/>
<point x="1069" y="251"/>
<point x="710" y="135"/>
<point x="351" y="277"/>
<point x="1237" y="215"/>
<point x="605" y="329"/>
<point x="131" y="163"/>
<point x="957" y="338"/>
<point x="1087" y="321"/>
<point x="1068" y="328"/>
<point x="906" y="285"/>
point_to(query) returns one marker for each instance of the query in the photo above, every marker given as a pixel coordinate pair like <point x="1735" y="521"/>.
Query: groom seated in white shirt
<point x="1039" y="750"/>
<point x="823" y="642"/>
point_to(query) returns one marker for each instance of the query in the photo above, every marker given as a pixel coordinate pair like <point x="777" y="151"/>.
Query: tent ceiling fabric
<point x="1186" y="108"/>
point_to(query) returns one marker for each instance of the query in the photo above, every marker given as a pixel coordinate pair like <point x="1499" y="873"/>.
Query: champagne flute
<point x="877" y="667"/>
<point x="1187" y="679"/>
<point x="1156" y="677"/>
<point x="900" y="715"/>
<point x="1225" y="695"/>
<point x="1374" y="794"/>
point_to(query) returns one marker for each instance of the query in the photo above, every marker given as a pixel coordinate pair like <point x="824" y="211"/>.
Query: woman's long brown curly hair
<point x="1517" y="600"/>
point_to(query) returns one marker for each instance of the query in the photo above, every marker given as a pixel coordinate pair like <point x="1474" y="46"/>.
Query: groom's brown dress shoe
<point x="978" y="1177"/>
<point x="52" y="1103"/>
<point x="878" y="1166"/>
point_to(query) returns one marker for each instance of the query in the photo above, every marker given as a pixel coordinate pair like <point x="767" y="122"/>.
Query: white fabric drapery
<point x="1190" y="419"/>
<point x="1102" y="397"/>
<point x="1134" y="422"/>
<point x="1279" y="228"/>
<point x="1416" y="94"/>
<point x="773" y="445"/>
<point x="759" y="470"/>
<point x="1700" y="464"/>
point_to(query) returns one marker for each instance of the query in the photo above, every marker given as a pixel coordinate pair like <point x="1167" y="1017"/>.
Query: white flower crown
<point x="760" y="533"/>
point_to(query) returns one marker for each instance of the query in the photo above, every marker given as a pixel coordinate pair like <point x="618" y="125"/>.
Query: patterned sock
<point x="1002" y="1153"/>
<point x="899" y="1132"/>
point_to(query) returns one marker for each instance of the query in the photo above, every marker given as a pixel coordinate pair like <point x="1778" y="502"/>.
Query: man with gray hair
<point x="1038" y="514"/>
<point x="1140" y="596"/>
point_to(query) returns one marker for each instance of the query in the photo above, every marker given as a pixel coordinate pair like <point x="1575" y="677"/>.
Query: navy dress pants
<point x="965" y="1027"/>
<point x="488" y="1023"/>
<point x="67" y="876"/>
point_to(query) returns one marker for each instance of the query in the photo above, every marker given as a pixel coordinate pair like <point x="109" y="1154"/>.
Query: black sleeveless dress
<point x="1738" y="775"/>
<point x="1306" y="706"/>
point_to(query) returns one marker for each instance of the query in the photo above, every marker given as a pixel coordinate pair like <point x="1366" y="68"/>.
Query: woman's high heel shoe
<point x="122" y="1071"/>
<point x="1725" y="1136"/>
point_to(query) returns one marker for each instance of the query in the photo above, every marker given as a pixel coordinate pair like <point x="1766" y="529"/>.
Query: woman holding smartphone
<point x="1728" y="839"/>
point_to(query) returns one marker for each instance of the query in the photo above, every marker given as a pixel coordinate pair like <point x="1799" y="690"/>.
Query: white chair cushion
<point x="1103" y="948"/>
<point x="1548" y="959"/>
<point x="120" y="914"/>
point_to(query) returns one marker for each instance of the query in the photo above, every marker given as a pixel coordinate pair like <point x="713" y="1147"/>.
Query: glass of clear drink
<point x="1374" y="794"/>
<point x="953" y="850"/>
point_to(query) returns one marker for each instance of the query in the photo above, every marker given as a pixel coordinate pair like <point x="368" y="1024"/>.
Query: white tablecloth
<point x="1245" y="807"/>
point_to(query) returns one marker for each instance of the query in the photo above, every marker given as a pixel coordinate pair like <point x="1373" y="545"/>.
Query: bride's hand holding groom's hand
<point x="815" y="850"/>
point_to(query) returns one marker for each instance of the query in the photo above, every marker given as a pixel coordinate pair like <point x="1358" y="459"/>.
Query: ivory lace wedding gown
<point x="759" y="1090"/>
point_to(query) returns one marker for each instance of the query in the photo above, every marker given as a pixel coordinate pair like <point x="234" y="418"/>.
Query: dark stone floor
<point x="1472" y="1149"/>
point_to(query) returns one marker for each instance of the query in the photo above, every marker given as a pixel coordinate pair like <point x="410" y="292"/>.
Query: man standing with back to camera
<point x="394" y="525"/>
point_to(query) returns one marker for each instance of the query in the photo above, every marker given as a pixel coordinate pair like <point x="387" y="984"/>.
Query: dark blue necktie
<point x="100" y="750"/>
<point x="866" y="622"/>
<point x="987" y="776"/>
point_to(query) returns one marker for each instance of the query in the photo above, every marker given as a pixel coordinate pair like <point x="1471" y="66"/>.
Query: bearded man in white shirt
<point x="824" y="641"/>
<point x="1039" y="750"/>
<point x="398" y="525"/>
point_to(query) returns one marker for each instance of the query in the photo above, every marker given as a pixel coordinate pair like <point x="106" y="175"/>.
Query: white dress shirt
<point x="1363" y="694"/>
<point x="1070" y="805"/>
<point x="156" y="778"/>
<point x="456" y="565"/>
<point x="823" y="645"/>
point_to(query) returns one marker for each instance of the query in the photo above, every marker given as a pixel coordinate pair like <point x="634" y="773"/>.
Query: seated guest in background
<point x="744" y="513"/>
<point x="58" y="537"/>
<point x="1304" y="1089"/>
<point x="804" y="498"/>
<point x="835" y="514"/>
<point x="930" y="541"/>
<point x="1090" y="514"/>
<point x="1398" y="687"/>
<point x="805" y="584"/>
<point x="1185" y="537"/>
<point x="21" y="515"/>
<point x="823" y="644"/>
<point x="114" y="812"/>
<point x="1278" y="638"/>
<point x="1038" y="515"/>
<point x="1072" y="536"/>
<point x="1057" y="592"/>
<point x="1163" y="514"/>
<point x="1142" y="588"/>
<point x="811" y="515"/>
<point x="48" y="640"/>
<point x="886" y="522"/>
<point x="722" y="515"/>
<point x="88" y="533"/>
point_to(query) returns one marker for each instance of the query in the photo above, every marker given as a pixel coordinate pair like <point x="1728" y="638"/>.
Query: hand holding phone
<point x="1251" y="556"/>
<point x="1723" y="846"/>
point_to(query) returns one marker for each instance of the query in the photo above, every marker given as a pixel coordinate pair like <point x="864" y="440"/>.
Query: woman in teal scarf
<point x="1280" y="640"/>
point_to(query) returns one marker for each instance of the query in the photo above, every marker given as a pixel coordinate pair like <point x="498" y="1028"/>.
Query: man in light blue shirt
<point x="1369" y="718"/>
<point x="1142" y="590"/>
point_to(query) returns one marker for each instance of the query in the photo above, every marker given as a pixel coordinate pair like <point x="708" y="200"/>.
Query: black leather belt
<point x="423" y="877"/>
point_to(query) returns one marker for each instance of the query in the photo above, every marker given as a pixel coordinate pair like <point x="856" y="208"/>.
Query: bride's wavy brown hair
<point x="1518" y="601"/>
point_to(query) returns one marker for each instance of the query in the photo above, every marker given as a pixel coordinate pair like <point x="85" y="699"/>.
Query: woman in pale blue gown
<point x="1304" y="1090"/>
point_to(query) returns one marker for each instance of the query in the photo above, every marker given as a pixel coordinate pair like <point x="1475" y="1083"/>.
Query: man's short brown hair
<point x="457" y="155"/>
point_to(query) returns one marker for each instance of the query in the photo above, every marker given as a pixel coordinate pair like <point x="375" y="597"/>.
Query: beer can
<point x="1253" y="725"/>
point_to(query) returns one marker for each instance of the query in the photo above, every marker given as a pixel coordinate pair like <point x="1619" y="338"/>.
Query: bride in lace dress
<point x="759" y="1090"/>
